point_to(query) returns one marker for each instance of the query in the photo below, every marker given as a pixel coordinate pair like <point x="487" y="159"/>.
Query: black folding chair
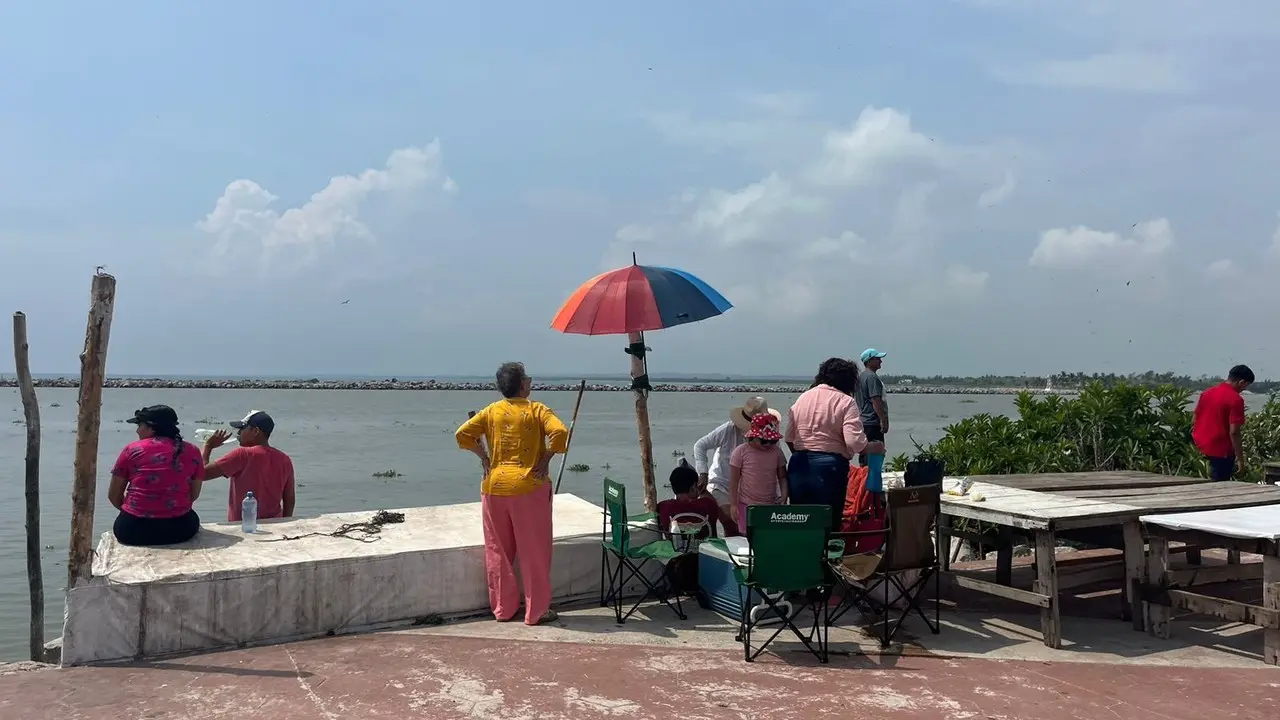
<point x="912" y="517"/>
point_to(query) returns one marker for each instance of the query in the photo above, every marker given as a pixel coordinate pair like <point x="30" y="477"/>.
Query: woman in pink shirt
<point x="757" y="469"/>
<point x="155" y="481"/>
<point x="824" y="430"/>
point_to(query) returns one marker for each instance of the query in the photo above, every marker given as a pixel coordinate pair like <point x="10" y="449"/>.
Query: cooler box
<point x="718" y="582"/>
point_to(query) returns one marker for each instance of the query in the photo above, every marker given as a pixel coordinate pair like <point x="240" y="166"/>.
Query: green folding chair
<point x="631" y="561"/>
<point x="789" y="563"/>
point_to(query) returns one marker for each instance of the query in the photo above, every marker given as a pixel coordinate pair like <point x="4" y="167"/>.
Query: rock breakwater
<point x="395" y="384"/>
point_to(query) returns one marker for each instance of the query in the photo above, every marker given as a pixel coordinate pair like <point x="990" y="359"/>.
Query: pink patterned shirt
<point x="156" y="488"/>
<point x="823" y="419"/>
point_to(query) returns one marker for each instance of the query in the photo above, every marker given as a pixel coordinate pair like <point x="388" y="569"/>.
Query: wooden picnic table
<point x="1075" y="502"/>
<point x="1247" y="529"/>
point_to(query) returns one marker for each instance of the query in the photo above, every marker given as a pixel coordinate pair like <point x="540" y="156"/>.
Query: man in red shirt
<point x="1219" y="417"/>
<point x="255" y="465"/>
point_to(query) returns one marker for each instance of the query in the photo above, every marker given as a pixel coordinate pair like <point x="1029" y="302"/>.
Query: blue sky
<point x="974" y="186"/>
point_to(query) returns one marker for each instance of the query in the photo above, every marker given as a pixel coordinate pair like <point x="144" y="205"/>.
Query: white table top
<point x="1260" y="523"/>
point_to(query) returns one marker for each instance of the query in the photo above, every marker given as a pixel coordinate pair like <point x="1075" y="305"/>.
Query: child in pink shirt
<point x="757" y="469"/>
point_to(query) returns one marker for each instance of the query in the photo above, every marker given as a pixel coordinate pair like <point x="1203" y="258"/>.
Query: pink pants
<point x="518" y="526"/>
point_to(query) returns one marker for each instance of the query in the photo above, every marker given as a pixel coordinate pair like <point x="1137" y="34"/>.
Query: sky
<point x="972" y="186"/>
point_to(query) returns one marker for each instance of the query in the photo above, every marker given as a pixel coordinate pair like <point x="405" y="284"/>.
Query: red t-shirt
<point x="264" y="470"/>
<point x="1217" y="410"/>
<point x="704" y="506"/>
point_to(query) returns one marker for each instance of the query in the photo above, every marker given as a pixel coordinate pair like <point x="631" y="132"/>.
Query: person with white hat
<point x="711" y="454"/>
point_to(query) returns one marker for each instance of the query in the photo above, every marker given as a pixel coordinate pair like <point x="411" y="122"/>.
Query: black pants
<point x="1221" y="468"/>
<point x="874" y="434"/>
<point x="819" y="478"/>
<point x="148" y="532"/>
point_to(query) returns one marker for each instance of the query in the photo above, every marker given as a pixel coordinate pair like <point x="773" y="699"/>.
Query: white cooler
<point x="718" y="582"/>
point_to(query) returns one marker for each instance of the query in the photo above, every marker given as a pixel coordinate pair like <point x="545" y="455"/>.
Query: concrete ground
<point x="585" y="666"/>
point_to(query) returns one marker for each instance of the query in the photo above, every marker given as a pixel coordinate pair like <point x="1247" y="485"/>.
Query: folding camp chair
<point x="631" y="561"/>
<point x="788" y="558"/>
<point x="912" y="516"/>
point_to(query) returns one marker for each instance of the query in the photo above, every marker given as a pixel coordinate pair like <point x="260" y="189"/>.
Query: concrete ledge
<point x="291" y="581"/>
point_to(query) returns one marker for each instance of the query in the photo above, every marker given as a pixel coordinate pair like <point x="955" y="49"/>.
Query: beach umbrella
<point x="630" y="301"/>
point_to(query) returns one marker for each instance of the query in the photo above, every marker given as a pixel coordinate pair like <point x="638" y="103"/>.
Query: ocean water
<point x="339" y="439"/>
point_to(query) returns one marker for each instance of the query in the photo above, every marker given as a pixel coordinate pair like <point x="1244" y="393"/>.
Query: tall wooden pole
<point x="31" y="410"/>
<point x="93" y="370"/>
<point x="640" y="371"/>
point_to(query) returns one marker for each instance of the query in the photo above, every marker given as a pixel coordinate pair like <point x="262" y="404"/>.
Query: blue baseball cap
<point x="870" y="353"/>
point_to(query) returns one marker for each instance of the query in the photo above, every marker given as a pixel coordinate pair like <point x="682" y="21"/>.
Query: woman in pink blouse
<point x="824" y="431"/>
<point x="155" y="481"/>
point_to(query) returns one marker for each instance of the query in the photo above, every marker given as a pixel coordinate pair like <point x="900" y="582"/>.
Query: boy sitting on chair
<point x="683" y="481"/>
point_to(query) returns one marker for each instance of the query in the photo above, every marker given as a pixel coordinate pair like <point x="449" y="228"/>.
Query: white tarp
<point x="224" y="589"/>
<point x="1262" y="522"/>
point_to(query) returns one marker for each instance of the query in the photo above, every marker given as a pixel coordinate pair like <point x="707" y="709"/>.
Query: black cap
<point x="255" y="419"/>
<point x="155" y="415"/>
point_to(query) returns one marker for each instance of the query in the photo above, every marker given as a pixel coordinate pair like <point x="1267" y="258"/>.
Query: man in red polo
<point x="254" y="466"/>
<point x="1219" y="418"/>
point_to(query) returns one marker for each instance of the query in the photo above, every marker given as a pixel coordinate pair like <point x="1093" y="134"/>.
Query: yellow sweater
<point x="516" y="431"/>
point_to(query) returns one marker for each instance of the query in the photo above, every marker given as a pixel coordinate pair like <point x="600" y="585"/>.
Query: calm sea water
<point x="339" y="439"/>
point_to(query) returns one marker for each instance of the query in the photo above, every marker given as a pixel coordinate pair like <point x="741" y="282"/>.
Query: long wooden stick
<point x="31" y="410"/>
<point x="93" y="370"/>
<point x="573" y="421"/>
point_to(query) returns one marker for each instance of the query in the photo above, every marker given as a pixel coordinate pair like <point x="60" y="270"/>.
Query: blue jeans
<point x="819" y="478"/>
<point x="1221" y="468"/>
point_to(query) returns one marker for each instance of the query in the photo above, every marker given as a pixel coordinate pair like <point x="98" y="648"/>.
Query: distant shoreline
<point x="423" y="385"/>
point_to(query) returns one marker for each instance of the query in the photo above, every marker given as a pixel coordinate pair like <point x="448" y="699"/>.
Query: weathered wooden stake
<point x="31" y="410"/>
<point x="639" y="369"/>
<point x="93" y="370"/>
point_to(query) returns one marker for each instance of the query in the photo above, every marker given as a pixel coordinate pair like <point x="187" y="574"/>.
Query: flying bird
<point x="344" y="302"/>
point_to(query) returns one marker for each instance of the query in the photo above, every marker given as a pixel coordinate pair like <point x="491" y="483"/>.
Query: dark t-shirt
<point x="869" y="386"/>
<point x="705" y="506"/>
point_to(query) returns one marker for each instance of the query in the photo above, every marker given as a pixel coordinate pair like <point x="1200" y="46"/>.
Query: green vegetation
<point x="578" y="467"/>
<point x="1119" y="426"/>
<point x="1075" y="381"/>
<point x="392" y="473"/>
<point x="677" y="453"/>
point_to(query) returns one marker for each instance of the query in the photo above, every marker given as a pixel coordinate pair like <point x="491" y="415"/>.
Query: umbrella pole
<point x="640" y="385"/>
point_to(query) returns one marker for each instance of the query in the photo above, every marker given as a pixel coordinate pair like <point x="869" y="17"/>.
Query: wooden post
<point x="93" y="370"/>
<point x="31" y="410"/>
<point x="639" y="369"/>
<point x="1047" y="584"/>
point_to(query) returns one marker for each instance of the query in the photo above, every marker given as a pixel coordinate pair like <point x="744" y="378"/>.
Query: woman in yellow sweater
<point x="515" y="439"/>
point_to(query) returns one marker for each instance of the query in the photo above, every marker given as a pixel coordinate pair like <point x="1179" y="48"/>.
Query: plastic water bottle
<point x="249" y="513"/>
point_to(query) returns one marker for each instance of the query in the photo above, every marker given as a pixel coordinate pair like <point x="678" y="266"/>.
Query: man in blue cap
<point x="870" y="397"/>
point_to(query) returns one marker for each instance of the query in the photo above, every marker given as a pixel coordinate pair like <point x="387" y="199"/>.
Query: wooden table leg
<point x="1135" y="557"/>
<point x="1004" y="558"/>
<point x="1157" y="615"/>
<point x="1271" y="600"/>
<point x="1047" y="584"/>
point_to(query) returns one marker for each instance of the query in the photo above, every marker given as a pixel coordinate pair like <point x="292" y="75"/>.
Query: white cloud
<point x="852" y="215"/>
<point x="743" y="215"/>
<point x="784" y="103"/>
<point x="1221" y="269"/>
<point x="996" y="195"/>
<point x="878" y="139"/>
<point x="243" y="216"/>
<point x="1120" y="71"/>
<point x="1081" y="247"/>
<point x="965" y="280"/>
